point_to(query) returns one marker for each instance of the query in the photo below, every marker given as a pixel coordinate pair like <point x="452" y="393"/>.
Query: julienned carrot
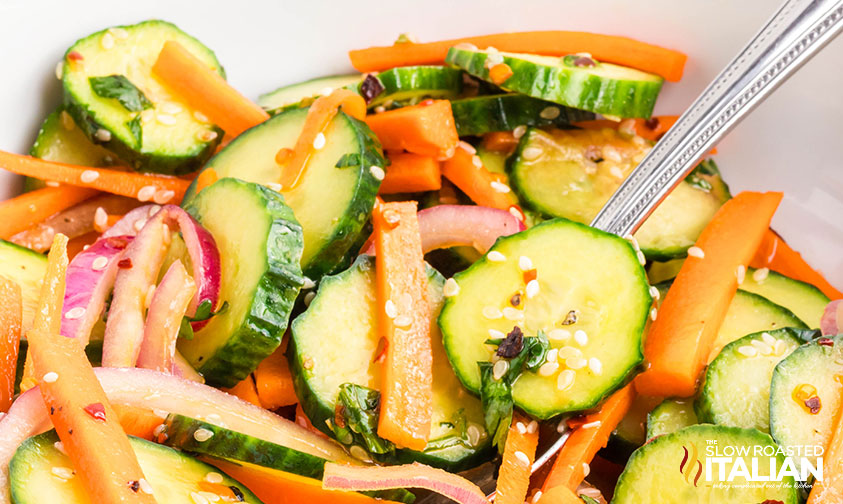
<point x="158" y="188"/>
<point x="78" y="244"/>
<point x="585" y="441"/>
<point x="427" y="128"/>
<point x="206" y="177"/>
<point x="319" y="115"/>
<point x="500" y="141"/>
<point x="138" y="422"/>
<point x="206" y="91"/>
<point x="408" y="173"/>
<point x="87" y="425"/>
<point x="22" y="212"/>
<point x="467" y="172"/>
<point x="274" y="382"/>
<point x="518" y="456"/>
<point x="776" y="254"/>
<point x="404" y="322"/>
<point x="559" y="495"/>
<point x="681" y="338"/>
<point x="10" y="327"/>
<point x="246" y="390"/>
<point x="829" y="489"/>
<point x="609" y="48"/>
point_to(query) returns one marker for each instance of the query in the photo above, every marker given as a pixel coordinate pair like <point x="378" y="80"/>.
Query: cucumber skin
<point x="147" y="162"/>
<point x="483" y="114"/>
<point x="275" y="295"/>
<point x="618" y="98"/>
<point x="427" y="80"/>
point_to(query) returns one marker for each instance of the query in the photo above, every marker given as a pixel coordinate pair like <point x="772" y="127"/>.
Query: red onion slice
<point x="832" y="320"/>
<point x="361" y="479"/>
<point x="445" y="226"/>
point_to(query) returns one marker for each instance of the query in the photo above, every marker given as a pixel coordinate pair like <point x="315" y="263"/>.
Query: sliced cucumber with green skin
<point x="737" y="382"/>
<point x="260" y="245"/>
<point x="336" y="341"/>
<point x="573" y="173"/>
<point x="631" y="430"/>
<point x="26" y="268"/>
<point x="666" y="271"/>
<point x="59" y="139"/>
<point x="163" y="136"/>
<point x="595" y="274"/>
<point x="173" y="475"/>
<point x="670" y="416"/>
<point x="817" y="365"/>
<point x="603" y="87"/>
<point x="291" y="95"/>
<point x="494" y="161"/>
<point x="332" y="204"/>
<point x="665" y="470"/>
<point x="505" y="112"/>
<point x="803" y="299"/>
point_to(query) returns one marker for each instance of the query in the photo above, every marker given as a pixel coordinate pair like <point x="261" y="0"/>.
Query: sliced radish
<point x="832" y="320"/>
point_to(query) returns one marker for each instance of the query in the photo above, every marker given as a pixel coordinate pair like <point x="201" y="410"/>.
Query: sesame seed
<point x="763" y="348"/>
<point x="473" y="434"/>
<point x="595" y="365"/>
<point x="493" y="60"/>
<point x="532" y="288"/>
<point x="451" y="288"/>
<point x="139" y="224"/>
<point x="499" y="369"/>
<point x="524" y="263"/>
<point x="119" y="33"/>
<point x="146" y="193"/>
<point x="107" y="41"/>
<point x="642" y="260"/>
<point x="576" y="362"/>
<point x="163" y="196"/>
<point x="500" y="187"/>
<point x="159" y="430"/>
<point x="550" y="113"/>
<point x="760" y="275"/>
<point x="780" y="348"/>
<point x="103" y="135"/>
<point x="552" y="355"/>
<point x="74" y="313"/>
<point x="100" y="219"/>
<point x="512" y="314"/>
<point x="89" y="176"/>
<point x="548" y="368"/>
<point x="390" y="309"/>
<point x="199" y="116"/>
<point x="494" y="333"/>
<point x="536" y="497"/>
<point x="202" y="435"/>
<point x="495" y="256"/>
<point x="403" y="321"/>
<point x="591" y="425"/>
<point x="159" y="412"/>
<point x="522" y="457"/>
<point x="377" y="172"/>
<point x="466" y="46"/>
<point x="492" y="313"/>
<point x="308" y="298"/>
<point x="319" y="141"/>
<point x="559" y="334"/>
<point x="308" y="363"/>
<point x="165" y="119"/>
<point x="64" y="473"/>
<point x="581" y="337"/>
<point x="52" y="183"/>
<point x="586" y="469"/>
<point x="198" y="499"/>
<point x="207" y="135"/>
<point x="214" y="477"/>
<point x="568" y="352"/>
<point x="519" y="131"/>
<point x="740" y="273"/>
<point x="60" y="447"/>
<point x="60" y="69"/>
<point x="147" y="115"/>
<point x="654" y="293"/>
<point x="521" y="428"/>
<point x="696" y="252"/>
<point x="171" y="108"/>
<point x="145" y="486"/>
<point x="612" y="154"/>
<point x="768" y="338"/>
<point x="654" y="313"/>
<point x="308" y="283"/>
<point x="532" y="427"/>
<point x="531" y="153"/>
<point x="467" y="147"/>
<point x="380" y="109"/>
<point x="564" y="382"/>
<point x="274" y="186"/>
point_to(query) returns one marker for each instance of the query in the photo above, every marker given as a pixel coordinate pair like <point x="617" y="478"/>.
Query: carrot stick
<point x="10" y="327"/>
<point x="500" y="141"/>
<point x="274" y="382"/>
<point x="681" y="338"/>
<point x="404" y="322"/>
<point x="206" y="91"/>
<point x="585" y="441"/>
<point x="319" y="115"/>
<point x="776" y="254"/>
<point x="246" y="390"/>
<point x="467" y="172"/>
<point x="609" y="48"/>
<point x="158" y="188"/>
<point x="85" y="421"/>
<point x="138" y="422"/>
<point x="427" y="128"/>
<point x="78" y="244"/>
<point x="28" y="209"/>
<point x="559" y="495"/>
<point x="518" y="456"/>
<point x="409" y="173"/>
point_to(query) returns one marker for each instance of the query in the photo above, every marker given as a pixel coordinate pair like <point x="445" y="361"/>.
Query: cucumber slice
<point x="336" y="342"/>
<point x="505" y="112"/>
<point x="803" y="299"/>
<point x="26" y="268"/>
<point x="737" y="382"/>
<point x="555" y="174"/>
<point x="173" y="475"/>
<point x="666" y="271"/>
<point x="655" y="473"/>
<point x="493" y="161"/>
<point x="291" y="95"/>
<point x="817" y="365"/>
<point x="161" y="136"/>
<point x="670" y="416"/>
<point x="332" y="204"/>
<point x="261" y="278"/>
<point x="603" y="88"/>
<point x="631" y="430"/>
<point x="595" y="274"/>
<point x="59" y="139"/>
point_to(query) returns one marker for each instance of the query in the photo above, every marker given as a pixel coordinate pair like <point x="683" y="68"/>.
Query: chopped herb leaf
<point x="136" y="128"/>
<point x="356" y="418"/>
<point x="121" y="89"/>
<point x="349" y="159"/>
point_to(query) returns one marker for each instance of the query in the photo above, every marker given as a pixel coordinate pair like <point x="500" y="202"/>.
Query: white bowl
<point x="791" y="143"/>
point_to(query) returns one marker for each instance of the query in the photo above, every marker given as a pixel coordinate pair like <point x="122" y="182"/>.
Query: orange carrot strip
<point x="28" y="209"/>
<point x="274" y="382"/>
<point x="85" y="421"/>
<point x="584" y="442"/>
<point x="427" y="128"/>
<point x="160" y="188"/>
<point x="138" y="422"/>
<point x="319" y="115"/>
<point x="246" y="390"/>
<point x="776" y="254"/>
<point x="10" y="327"/>
<point x="500" y="141"/>
<point x="409" y="173"/>
<point x="610" y="48"/>
<point x="478" y="183"/>
<point x="518" y="456"/>
<point x="206" y="91"/>
<point x="407" y="387"/>
<point x="681" y="338"/>
<point x="76" y="245"/>
<point x="559" y="495"/>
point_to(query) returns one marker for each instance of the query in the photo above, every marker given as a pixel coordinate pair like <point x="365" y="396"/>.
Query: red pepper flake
<point x="380" y="354"/>
<point x="124" y="263"/>
<point x="96" y="410"/>
<point x="530" y="275"/>
<point x="75" y="56"/>
<point x="339" y="416"/>
<point x="426" y="103"/>
<point x="499" y="73"/>
<point x="134" y="485"/>
<point x="652" y="123"/>
<point x="117" y="242"/>
<point x="814" y="404"/>
<point x="825" y="342"/>
<point x="771" y="501"/>
<point x="516" y="212"/>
